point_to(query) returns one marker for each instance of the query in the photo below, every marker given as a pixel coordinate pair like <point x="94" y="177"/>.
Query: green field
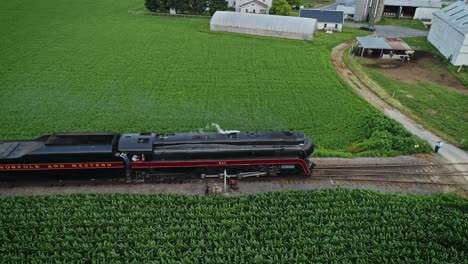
<point x="341" y="226"/>
<point x="90" y="66"/>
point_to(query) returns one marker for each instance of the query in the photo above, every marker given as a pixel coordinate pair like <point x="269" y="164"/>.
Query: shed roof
<point x="383" y="43"/>
<point x="456" y="15"/>
<point x="330" y="16"/>
<point x="414" y="3"/>
<point x="264" y="22"/>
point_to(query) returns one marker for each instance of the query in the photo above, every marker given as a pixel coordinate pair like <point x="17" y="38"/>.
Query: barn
<point x="449" y="32"/>
<point x="408" y="8"/>
<point x="263" y="25"/>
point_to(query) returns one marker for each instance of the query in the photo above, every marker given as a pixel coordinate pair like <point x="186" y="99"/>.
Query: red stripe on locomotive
<point x="216" y="163"/>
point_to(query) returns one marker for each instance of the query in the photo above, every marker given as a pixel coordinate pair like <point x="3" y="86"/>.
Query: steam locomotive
<point x="155" y="157"/>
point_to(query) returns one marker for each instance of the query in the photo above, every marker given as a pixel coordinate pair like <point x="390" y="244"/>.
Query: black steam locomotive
<point x="154" y="157"/>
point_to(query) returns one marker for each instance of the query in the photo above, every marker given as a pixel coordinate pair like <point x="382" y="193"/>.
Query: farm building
<point x="425" y="14"/>
<point x="347" y="10"/>
<point x="407" y="8"/>
<point x="328" y="20"/>
<point x="261" y="25"/>
<point x="369" y="10"/>
<point x="373" y="10"/>
<point x="251" y="6"/>
<point x="449" y="33"/>
<point x="385" y="48"/>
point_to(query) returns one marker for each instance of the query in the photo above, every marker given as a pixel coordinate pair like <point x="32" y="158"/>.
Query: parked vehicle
<point x="368" y="28"/>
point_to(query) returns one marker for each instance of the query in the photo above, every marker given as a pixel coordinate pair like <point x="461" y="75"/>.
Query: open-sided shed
<point x="264" y="25"/>
<point x="387" y="47"/>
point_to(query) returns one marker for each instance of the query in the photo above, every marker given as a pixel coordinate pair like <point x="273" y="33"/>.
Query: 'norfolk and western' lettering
<point x="61" y="166"/>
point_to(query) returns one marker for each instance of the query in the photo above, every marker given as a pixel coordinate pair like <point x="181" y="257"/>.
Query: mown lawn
<point x="343" y="226"/>
<point x="317" y="3"/>
<point x="90" y="66"/>
<point x="403" y="22"/>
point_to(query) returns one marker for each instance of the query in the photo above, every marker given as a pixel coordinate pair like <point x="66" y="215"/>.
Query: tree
<point x="280" y="7"/>
<point x="179" y="5"/>
<point x="296" y="3"/>
<point x="152" y="5"/>
<point x="197" y="6"/>
<point x="216" y="5"/>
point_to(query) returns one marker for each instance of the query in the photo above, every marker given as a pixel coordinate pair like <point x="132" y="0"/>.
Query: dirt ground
<point x="423" y="67"/>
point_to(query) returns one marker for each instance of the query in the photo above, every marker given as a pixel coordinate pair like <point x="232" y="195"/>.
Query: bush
<point x="386" y="137"/>
<point x="280" y="7"/>
<point x="152" y="5"/>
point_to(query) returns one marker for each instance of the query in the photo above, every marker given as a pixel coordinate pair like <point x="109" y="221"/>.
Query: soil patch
<point x="423" y="67"/>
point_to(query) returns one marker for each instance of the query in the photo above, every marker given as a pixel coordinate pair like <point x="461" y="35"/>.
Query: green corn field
<point x="343" y="226"/>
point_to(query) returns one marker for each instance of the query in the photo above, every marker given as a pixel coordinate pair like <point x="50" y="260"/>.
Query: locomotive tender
<point x="154" y="157"/>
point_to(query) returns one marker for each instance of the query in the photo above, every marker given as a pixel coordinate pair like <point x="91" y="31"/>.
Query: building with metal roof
<point x="384" y="47"/>
<point x="449" y="32"/>
<point x="373" y="10"/>
<point x="347" y="10"/>
<point x="407" y="8"/>
<point x="328" y="20"/>
<point x="264" y="25"/>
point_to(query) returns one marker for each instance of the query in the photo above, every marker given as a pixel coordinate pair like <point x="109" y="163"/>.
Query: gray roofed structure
<point x="264" y="25"/>
<point x="383" y="43"/>
<point x="373" y="43"/>
<point x="327" y="16"/>
<point x="449" y="32"/>
<point x="456" y="15"/>
<point x="255" y="1"/>
<point x="414" y="3"/>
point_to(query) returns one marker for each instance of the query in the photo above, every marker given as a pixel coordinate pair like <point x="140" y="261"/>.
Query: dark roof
<point x="330" y="16"/>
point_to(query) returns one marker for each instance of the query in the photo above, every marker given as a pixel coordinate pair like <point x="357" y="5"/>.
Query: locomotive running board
<point x="238" y="176"/>
<point x="219" y="163"/>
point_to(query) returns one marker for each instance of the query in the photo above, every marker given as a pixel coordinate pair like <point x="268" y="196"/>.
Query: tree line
<point x="199" y="7"/>
<point x="202" y="7"/>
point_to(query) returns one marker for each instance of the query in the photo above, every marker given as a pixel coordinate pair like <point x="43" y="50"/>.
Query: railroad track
<point x="416" y="174"/>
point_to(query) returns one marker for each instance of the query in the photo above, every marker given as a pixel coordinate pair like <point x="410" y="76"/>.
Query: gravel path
<point x="448" y="151"/>
<point x="392" y="31"/>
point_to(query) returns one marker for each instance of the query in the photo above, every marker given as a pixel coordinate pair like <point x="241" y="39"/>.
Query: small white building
<point x="449" y="32"/>
<point x="271" y="25"/>
<point x="251" y="6"/>
<point x="425" y="13"/>
<point x="348" y="11"/>
<point x="327" y="20"/>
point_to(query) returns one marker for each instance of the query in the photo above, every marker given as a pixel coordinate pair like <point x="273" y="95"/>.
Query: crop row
<point x="307" y="226"/>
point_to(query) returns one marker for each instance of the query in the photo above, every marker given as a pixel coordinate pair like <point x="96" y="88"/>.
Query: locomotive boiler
<point x="157" y="156"/>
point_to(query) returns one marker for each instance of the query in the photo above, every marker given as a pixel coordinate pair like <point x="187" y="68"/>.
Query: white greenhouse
<point x="449" y="32"/>
<point x="264" y="25"/>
